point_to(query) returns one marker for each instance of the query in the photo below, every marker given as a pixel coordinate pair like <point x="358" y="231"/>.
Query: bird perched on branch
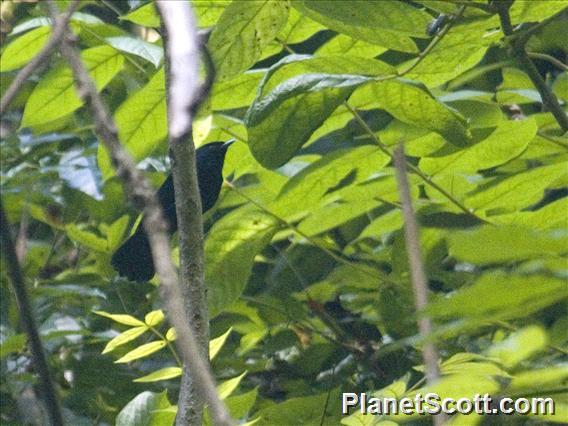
<point x="133" y="259"/>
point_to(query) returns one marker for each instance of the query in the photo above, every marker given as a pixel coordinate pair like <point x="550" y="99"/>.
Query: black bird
<point x="133" y="259"/>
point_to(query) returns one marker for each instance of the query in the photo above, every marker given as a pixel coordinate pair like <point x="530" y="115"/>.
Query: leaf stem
<point x="337" y="257"/>
<point x="412" y="167"/>
<point x="169" y="344"/>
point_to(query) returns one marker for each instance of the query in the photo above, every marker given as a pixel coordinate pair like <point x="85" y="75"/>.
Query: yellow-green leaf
<point x="121" y="318"/>
<point x="142" y="351"/>
<point x="154" y="318"/>
<point x="124" y="337"/>
<point x="55" y="96"/>
<point x="162" y="374"/>
<point x="217" y="343"/>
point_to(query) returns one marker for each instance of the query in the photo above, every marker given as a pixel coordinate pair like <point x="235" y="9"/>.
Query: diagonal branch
<point x="26" y="315"/>
<point x="141" y="194"/>
<point x="417" y="273"/>
<point x="519" y="53"/>
<point x="59" y="28"/>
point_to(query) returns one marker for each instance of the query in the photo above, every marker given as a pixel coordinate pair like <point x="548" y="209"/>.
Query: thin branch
<point x="27" y="317"/>
<point x="412" y="167"/>
<point x="339" y="257"/>
<point x="52" y="44"/>
<point x="437" y="39"/>
<point x="417" y="273"/>
<point x="518" y="52"/>
<point x="142" y="195"/>
<point x="183" y="51"/>
<point x="544" y="57"/>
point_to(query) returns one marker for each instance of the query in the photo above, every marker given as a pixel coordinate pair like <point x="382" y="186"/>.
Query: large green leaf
<point x="460" y="50"/>
<point x="387" y="23"/>
<point x="307" y="410"/>
<point x="281" y="122"/>
<point x="55" y="95"/>
<point x="414" y="105"/>
<point x="141" y="410"/>
<point x="20" y="51"/>
<point x="517" y="191"/>
<point x="499" y="296"/>
<point x="142" y="123"/>
<point x="492" y="244"/>
<point x="236" y="92"/>
<point x="507" y="141"/>
<point x="230" y="249"/>
<point x="145" y="16"/>
<point x="243" y="30"/>
<point x="314" y="181"/>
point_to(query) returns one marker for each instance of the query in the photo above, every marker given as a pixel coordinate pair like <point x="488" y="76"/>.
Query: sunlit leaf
<point x="162" y="374"/>
<point x="124" y="337"/>
<point x="56" y="96"/>
<point x="243" y="30"/>
<point x="142" y="351"/>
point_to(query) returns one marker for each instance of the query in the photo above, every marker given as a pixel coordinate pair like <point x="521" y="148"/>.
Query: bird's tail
<point x="133" y="259"/>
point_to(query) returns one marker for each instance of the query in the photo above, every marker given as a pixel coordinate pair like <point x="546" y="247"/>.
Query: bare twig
<point x="437" y="39"/>
<point x="142" y="195"/>
<point x="49" y="393"/>
<point x="182" y="44"/>
<point x="518" y="52"/>
<point x="417" y="273"/>
<point x="544" y="57"/>
<point x="54" y="41"/>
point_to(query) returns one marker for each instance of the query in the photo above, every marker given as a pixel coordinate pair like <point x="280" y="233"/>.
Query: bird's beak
<point x="227" y="144"/>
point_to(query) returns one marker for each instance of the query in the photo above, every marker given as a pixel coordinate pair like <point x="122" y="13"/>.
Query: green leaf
<point x="122" y="319"/>
<point x="216" y="344"/>
<point x="551" y="216"/>
<point x="162" y="374"/>
<point x="460" y="50"/>
<point x="55" y="95"/>
<point x="86" y="238"/>
<point x="281" y="122"/>
<point x="236" y="92"/>
<point x="314" y="181"/>
<point x="342" y="44"/>
<point x="470" y="364"/>
<point x="171" y="334"/>
<point x="382" y="225"/>
<point x="12" y="344"/>
<point x="495" y="244"/>
<point x="138" y="47"/>
<point x="145" y="16"/>
<point x="512" y="296"/>
<point x="536" y="380"/>
<point x="141" y="410"/>
<point x="21" y="50"/>
<point x="388" y="24"/>
<point x="142" y="123"/>
<point x="115" y="232"/>
<point x="507" y="141"/>
<point x="415" y="105"/>
<point x="208" y="11"/>
<point x="154" y="318"/>
<point x="307" y="410"/>
<point x="243" y="30"/>
<point x="226" y="388"/>
<point x="519" y="346"/>
<point x="517" y="191"/>
<point x="230" y="249"/>
<point x="125" y="337"/>
<point x="142" y="351"/>
<point x="525" y="11"/>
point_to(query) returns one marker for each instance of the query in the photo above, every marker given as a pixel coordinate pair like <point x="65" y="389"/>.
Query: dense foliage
<point x="306" y="266"/>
